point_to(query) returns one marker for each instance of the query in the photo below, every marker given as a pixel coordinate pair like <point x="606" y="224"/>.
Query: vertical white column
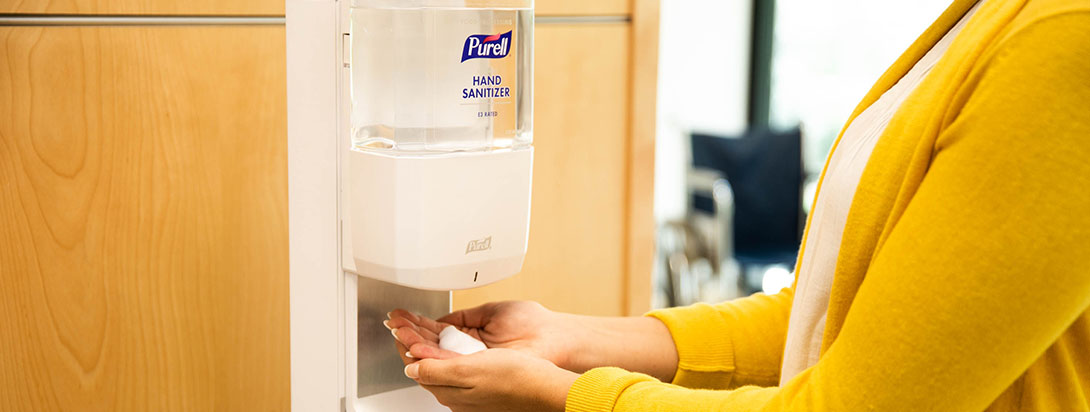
<point x="316" y="346"/>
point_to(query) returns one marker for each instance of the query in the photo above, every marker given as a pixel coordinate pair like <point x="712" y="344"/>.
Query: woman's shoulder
<point x="1049" y="13"/>
<point x="1042" y="36"/>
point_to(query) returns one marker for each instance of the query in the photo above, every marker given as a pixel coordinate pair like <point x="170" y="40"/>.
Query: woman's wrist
<point x="640" y="344"/>
<point x="556" y="389"/>
<point x="577" y="353"/>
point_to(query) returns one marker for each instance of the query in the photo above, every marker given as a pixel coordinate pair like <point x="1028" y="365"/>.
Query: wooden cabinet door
<point x="583" y="8"/>
<point x="145" y="7"/>
<point x="143" y="221"/>
<point x="262" y="7"/>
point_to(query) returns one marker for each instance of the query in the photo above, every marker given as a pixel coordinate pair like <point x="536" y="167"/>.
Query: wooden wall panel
<point x="146" y="7"/>
<point x="143" y="221"/>
<point x="583" y="7"/>
<point x="576" y="257"/>
<point x="641" y="156"/>
<point x="263" y="7"/>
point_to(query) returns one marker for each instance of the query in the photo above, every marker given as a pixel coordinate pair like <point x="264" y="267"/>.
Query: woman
<point x="945" y="265"/>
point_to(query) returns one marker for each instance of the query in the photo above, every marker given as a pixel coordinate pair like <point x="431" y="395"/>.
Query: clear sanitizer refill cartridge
<point x="440" y="159"/>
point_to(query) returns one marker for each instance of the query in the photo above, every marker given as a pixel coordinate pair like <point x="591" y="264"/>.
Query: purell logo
<point x="485" y="46"/>
<point x="479" y="245"/>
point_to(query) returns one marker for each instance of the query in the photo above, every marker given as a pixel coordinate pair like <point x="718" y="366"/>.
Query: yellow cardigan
<point x="963" y="278"/>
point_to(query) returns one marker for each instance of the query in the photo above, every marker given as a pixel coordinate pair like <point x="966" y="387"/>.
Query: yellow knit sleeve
<point x="599" y="388"/>
<point x="730" y="344"/>
<point x="986" y="267"/>
<point x="721" y="346"/>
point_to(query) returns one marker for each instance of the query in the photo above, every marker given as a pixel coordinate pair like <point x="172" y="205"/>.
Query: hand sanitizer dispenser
<point x="409" y="166"/>
<point x="440" y="155"/>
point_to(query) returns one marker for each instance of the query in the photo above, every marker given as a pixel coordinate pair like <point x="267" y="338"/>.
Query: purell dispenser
<point x="409" y="166"/>
<point x="439" y="154"/>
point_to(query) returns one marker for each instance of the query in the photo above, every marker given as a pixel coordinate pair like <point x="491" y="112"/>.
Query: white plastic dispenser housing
<point x="439" y="155"/>
<point x="409" y="169"/>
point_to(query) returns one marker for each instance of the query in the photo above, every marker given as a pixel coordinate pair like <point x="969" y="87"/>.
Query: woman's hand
<point x="494" y="380"/>
<point x="522" y="325"/>
<point x="573" y="342"/>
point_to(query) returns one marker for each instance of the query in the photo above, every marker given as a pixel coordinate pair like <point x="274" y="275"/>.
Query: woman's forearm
<point x="639" y="344"/>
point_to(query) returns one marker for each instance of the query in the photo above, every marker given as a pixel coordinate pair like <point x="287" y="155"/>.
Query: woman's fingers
<point x="422" y="351"/>
<point x="402" y="323"/>
<point x="401" y="313"/>
<point x="402" y="351"/>
<point x="431" y="325"/>
<point x="398" y="323"/>
<point x="470" y="318"/>
<point x="410" y="337"/>
<point x="418" y="348"/>
<point x="471" y="321"/>
<point x="426" y="325"/>
<point x="434" y="372"/>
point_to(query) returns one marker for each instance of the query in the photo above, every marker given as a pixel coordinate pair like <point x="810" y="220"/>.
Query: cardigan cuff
<point x="597" y="390"/>
<point x="704" y="344"/>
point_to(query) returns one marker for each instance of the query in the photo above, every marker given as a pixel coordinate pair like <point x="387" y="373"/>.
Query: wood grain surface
<point x="640" y="252"/>
<point x="145" y="7"/>
<point x="262" y="7"/>
<point x="143" y="221"/>
<point x="583" y="7"/>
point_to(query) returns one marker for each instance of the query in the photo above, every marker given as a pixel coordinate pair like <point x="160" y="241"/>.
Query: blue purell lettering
<point x="487" y="46"/>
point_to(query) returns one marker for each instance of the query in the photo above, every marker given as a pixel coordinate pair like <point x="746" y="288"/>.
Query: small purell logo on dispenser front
<point x="479" y="245"/>
<point x="487" y="46"/>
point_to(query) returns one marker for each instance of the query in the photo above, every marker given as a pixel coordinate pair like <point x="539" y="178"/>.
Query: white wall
<point x="703" y="75"/>
<point x="827" y="55"/>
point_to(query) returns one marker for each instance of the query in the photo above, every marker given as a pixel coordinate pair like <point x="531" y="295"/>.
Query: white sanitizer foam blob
<point x="455" y="340"/>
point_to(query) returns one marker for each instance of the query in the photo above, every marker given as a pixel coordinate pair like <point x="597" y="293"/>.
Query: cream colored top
<point x="846" y="163"/>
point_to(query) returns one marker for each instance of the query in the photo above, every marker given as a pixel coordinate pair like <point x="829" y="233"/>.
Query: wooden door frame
<point x="640" y="219"/>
